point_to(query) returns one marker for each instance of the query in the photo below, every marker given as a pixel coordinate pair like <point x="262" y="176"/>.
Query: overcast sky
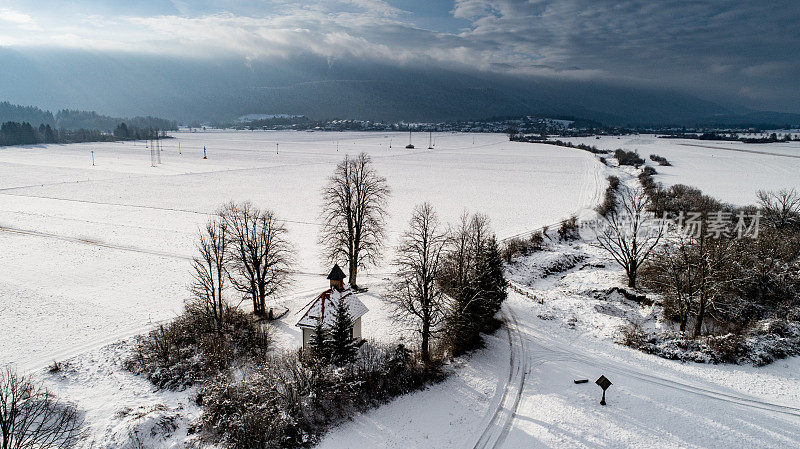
<point x="746" y="52"/>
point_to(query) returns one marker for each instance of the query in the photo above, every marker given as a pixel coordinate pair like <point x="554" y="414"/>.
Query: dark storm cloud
<point x="743" y="52"/>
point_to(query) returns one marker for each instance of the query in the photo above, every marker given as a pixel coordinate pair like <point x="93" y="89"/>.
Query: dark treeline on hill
<point x="15" y="133"/>
<point x="732" y="137"/>
<point x="73" y="120"/>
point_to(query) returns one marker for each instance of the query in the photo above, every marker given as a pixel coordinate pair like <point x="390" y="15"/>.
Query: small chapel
<point x="323" y="306"/>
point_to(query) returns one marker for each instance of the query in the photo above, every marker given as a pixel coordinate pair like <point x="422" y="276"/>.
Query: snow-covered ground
<point x="729" y="171"/>
<point x="519" y="391"/>
<point x="95" y="254"/>
<point x="570" y="335"/>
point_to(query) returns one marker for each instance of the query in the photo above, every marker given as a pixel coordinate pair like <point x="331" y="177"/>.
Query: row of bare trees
<point x="737" y="280"/>
<point x="449" y="281"/>
<point x="246" y="247"/>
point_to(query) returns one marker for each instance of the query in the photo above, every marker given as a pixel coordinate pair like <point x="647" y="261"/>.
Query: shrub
<point x="568" y="229"/>
<point x="648" y="171"/>
<point x="513" y="247"/>
<point x="660" y="160"/>
<point x="680" y="198"/>
<point x="517" y="246"/>
<point x="537" y="240"/>
<point x="628" y="157"/>
<point x="727" y="348"/>
<point x="182" y="352"/>
<point x="632" y="335"/>
<point x="768" y="341"/>
<point x="610" y="199"/>
<point x="290" y="399"/>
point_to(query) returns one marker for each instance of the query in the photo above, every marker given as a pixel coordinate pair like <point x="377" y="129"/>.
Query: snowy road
<point x="519" y="393"/>
<point x="652" y="403"/>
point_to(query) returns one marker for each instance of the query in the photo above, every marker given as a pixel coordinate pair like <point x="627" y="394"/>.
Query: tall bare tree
<point x="781" y="208"/>
<point x="33" y="418"/>
<point x="416" y="293"/>
<point x="260" y="255"/>
<point x="712" y="258"/>
<point x="627" y="234"/>
<point x="209" y="271"/>
<point x="466" y="241"/>
<point x="674" y="272"/>
<point x="354" y="213"/>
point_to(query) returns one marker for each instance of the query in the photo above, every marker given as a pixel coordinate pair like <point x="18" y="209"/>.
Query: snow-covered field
<point x="729" y="171"/>
<point x="93" y="254"/>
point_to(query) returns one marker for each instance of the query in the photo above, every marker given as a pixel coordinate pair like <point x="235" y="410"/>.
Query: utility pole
<point x="430" y="140"/>
<point x="92" y="158"/>
<point x="276" y="148"/>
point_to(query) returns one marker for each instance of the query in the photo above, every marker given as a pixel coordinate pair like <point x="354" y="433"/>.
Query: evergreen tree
<point x="343" y="346"/>
<point x="477" y="294"/>
<point x="320" y="342"/>
<point x="121" y="132"/>
<point x="490" y="284"/>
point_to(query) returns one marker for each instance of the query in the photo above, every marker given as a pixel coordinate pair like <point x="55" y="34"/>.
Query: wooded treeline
<point x="73" y="119"/>
<point x="16" y="133"/>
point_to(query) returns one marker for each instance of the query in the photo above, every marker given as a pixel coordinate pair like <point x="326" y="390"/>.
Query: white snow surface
<point x="520" y="392"/>
<point x="325" y="305"/>
<point x="729" y="171"/>
<point x="95" y="254"/>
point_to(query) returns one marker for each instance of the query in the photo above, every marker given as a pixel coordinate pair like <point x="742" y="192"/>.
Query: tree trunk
<point x="353" y="269"/>
<point x="631" y="278"/>
<point x="698" y="324"/>
<point x="425" y="343"/>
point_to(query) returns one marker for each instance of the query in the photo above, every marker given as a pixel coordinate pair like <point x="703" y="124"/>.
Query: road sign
<point x="604" y="384"/>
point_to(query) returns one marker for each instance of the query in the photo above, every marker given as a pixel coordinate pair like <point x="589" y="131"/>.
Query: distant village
<point x="527" y="125"/>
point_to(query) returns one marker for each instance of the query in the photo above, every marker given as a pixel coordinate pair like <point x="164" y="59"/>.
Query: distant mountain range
<point x="222" y="89"/>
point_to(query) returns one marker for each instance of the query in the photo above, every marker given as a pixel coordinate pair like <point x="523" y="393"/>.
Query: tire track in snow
<point x="96" y="243"/>
<point x="689" y="388"/>
<point x="502" y="419"/>
<point x="559" y="351"/>
<point x="91" y="242"/>
<point x="739" y="150"/>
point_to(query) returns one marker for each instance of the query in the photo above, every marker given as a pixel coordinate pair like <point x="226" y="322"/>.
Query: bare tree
<point x="354" y="213"/>
<point x="33" y="418"/>
<point x="209" y="271"/>
<point x="459" y="261"/>
<point x="260" y="256"/>
<point x="781" y="208"/>
<point x="416" y="293"/>
<point x="626" y="233"/>
<point x="466" y="241"/>
<point x="674" y="273"/>
<point x="711" y="261"/>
